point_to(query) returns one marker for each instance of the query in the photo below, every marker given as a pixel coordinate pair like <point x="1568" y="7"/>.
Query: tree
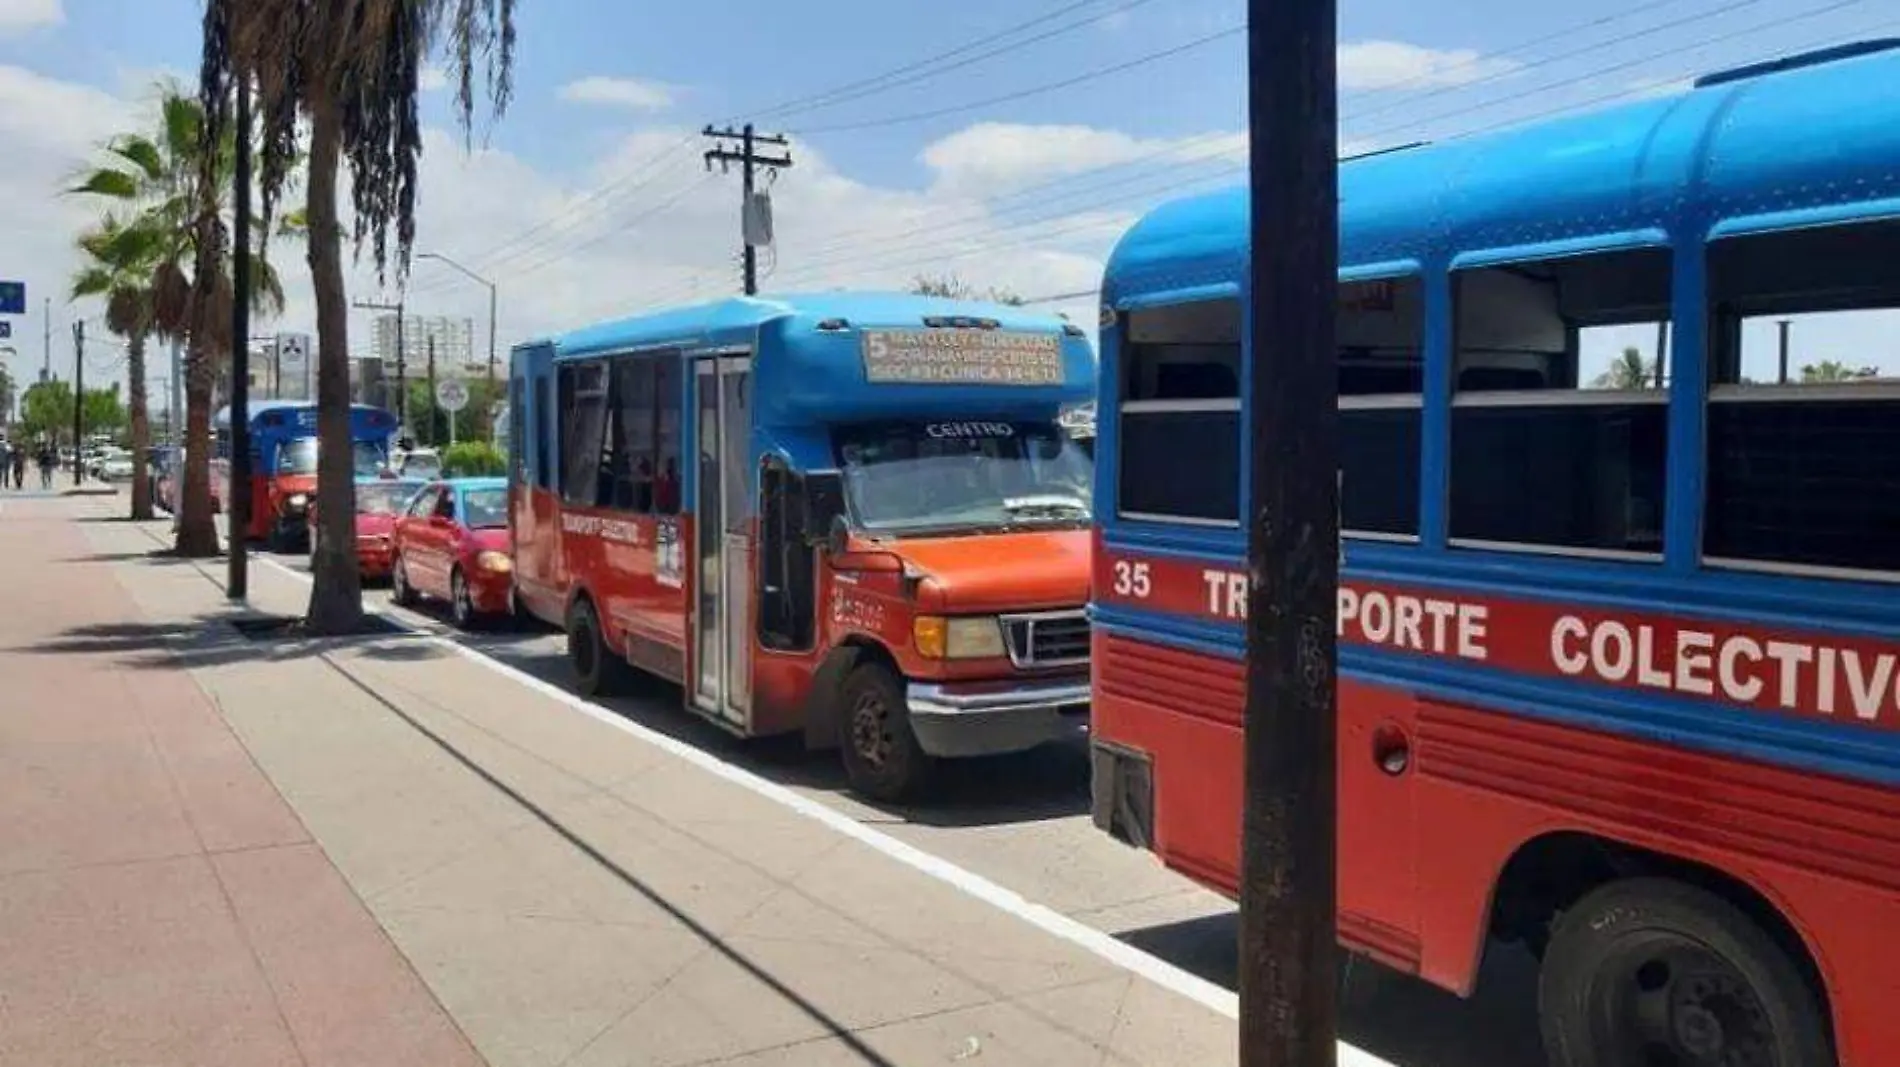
<point x="170" y="224"/>
<point x="120" y="263"/>
<point x="7" y="396"/>
<point x="46" y="410"/>
<point x="347" y="72"/>
<point x="1829" y="370"/>
<point x="102" y="411"/>
<point x="949" y="285"/>
<point x="1630" y="371"/>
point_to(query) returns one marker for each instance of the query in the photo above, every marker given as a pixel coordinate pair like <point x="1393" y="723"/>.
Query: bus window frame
<point x="1216" y="405"/>
<point x="1466" y="265"/>
<point x="1410" y="272"/>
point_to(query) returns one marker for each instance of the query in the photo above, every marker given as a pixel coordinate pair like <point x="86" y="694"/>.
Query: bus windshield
<point x="300" y="456"/>
<point x="916" y="477"/>
<point x="485" y="509"/>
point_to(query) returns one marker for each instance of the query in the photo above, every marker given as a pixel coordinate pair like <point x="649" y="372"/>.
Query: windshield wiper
<point x="1056" y="502"/>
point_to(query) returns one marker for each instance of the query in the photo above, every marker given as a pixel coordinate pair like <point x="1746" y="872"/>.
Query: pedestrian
<point x="49" y="460"/>
<point x="6" y="460"/>
<point x="19" y="468"/>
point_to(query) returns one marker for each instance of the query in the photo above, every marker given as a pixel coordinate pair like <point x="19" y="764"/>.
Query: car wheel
<point x="1649" y="970"/>
<point x="881" y="754"/>
<point x="400" y="591"/>
<point x="461" y="605"/>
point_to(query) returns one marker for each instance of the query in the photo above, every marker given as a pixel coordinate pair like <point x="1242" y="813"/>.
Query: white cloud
<point x="1397" y="65"/>
<point x="632" y="93"/>
<point x="432" y="78"/>
<point x="992" y="156"/>
<point x="19" y="16"/>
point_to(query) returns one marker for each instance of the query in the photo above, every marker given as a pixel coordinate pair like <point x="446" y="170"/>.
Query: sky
<point x="925" y="138"/>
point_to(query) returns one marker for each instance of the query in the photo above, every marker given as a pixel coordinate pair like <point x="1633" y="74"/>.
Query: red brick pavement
<point x="159" y="902"/>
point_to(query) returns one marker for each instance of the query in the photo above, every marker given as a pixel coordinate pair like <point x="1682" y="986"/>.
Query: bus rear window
<point x="1179" y="428"/>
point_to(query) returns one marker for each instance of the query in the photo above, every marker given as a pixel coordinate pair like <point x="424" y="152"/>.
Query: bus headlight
<point x="497" y="562"/>
<point x="297" y="502"/>
<point x="957" y="637"/>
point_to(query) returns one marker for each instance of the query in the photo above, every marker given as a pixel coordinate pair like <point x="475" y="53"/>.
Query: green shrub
<point x="473" y="459"/>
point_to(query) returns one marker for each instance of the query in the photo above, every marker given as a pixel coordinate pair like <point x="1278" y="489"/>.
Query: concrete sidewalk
<point x="566" y="892"/>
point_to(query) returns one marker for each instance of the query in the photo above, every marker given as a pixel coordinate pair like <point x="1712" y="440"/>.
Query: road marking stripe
<point x="1047" y="919"/>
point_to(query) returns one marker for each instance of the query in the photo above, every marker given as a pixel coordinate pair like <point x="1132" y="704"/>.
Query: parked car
<point x="379" y="502"/>
<point x="113" y="465"/>
<point x="451" y="544"/>
<point x="423" y="463"/>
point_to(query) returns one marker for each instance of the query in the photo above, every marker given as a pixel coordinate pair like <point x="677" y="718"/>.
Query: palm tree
<point x="120" y="261"/>
<point x="174" y="233"/>
<point x="351" y="70"/>
<point x="1630" y="371"/>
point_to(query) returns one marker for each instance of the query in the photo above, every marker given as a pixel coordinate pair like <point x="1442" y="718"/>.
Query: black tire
<point x="881" y="754"/>
<point x="599" y="671"/>
<point x="461" y="607"/>
<point x="401" y="593"/>
<point x="1650" y="970"/>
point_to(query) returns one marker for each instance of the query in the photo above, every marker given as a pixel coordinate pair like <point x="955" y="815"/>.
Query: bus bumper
<point x="989" y="720"/>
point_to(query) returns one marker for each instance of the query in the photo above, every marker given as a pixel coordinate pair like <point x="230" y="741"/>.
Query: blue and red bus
<point x="1618" y="618"/>
<point x="853" y="516"/>
<point x="284" y="462"/>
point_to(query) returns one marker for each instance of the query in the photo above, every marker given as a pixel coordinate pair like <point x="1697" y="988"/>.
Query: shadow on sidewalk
<point x="212" y="640"/>
<point x="1396" y="1017"/>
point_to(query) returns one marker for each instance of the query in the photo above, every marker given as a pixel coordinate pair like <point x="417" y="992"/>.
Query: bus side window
<point x="1560" y="404"/>
<point x="584" y="414"/>
<point x="787" y="563"/>
<point x="543" y="421"/>
<point x="517" y="439"/>
<point x="1380" y="338"/>
<point x="1180" y="414"/>
<point x="1804" y="401"/>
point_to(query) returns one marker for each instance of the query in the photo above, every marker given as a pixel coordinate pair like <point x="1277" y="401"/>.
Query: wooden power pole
<point x="749" y="161"/>
<point x="237" y="581"/>
<point x="1288" y="1000"/>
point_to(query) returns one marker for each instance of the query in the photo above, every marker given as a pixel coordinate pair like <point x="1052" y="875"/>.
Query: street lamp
<point x="437" y="256"/>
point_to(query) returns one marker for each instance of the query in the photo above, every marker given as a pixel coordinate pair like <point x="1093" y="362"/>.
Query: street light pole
<point x="492" y="300"/>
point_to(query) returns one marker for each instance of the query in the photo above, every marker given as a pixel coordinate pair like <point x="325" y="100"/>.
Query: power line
<point x="1036" y="90"/>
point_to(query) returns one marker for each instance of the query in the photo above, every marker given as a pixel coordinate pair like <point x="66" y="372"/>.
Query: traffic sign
<point x="6" y="329"/>
<point x="12" y="298"/>
<point x="451" y="394"/>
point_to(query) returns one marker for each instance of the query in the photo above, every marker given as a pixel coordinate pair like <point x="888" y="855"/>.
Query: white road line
<point x="1110" y="948"/>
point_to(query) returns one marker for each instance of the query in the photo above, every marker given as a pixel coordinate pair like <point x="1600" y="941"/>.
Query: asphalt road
<point x="1022" y="822"/>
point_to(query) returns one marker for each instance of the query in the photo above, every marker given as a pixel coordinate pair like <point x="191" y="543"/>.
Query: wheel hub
<point x="867" y="731"/>
<point x="1684" y="1006"/>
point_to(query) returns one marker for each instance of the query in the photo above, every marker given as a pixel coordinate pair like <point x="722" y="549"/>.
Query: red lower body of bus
<point x="1421" y="853"/>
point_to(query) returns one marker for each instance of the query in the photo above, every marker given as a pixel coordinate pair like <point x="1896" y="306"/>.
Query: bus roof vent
<point x="962" y="322"/>
<point x="834" y="325"/>
<point x="1802" y="59"/>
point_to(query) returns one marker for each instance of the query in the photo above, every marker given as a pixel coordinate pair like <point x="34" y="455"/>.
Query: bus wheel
<point x="881" y="754"/>
<point x="400" y="591"/>
<point x="1653" y="971"/>
<point x="598" y="670"/>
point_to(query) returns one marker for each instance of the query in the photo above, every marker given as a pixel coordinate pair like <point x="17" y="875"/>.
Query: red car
<point x="379" y="501"/>
<point x="451" y="543"/>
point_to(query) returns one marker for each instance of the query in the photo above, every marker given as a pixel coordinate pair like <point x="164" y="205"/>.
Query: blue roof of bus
<point x="1812" y="142"/>
<point x="259" y="407"/>
<point x="817" y="376"/>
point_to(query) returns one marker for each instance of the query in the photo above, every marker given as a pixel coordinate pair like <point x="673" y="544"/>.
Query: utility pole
<point x="1288" y="1000"/>
<point x="749" y="161"/>
<point x="432" y="404"/>
<point x="1784" y="324"/>
<point x="237" y="581"/>
<point x="402" y="390"/>
<point x="79" y="400"/>
<point x="46" y="370"/>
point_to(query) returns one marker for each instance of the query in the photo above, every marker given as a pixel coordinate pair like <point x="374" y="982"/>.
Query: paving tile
<point x="87" y="803"/>
<point x="229" y="802"/>
<point x="347" y="995"/>
<point x="133" y="964"/>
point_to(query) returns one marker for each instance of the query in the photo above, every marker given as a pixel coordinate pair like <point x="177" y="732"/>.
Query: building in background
<point x="454" y="345"/>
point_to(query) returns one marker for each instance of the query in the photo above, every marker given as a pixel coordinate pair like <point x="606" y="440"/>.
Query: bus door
<point x="722" y="521"/>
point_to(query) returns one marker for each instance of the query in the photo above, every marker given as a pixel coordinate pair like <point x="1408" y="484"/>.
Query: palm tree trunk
<point x="141" y="425"/>
<point x="336" y="592"/>
<point x="197" y="531"/>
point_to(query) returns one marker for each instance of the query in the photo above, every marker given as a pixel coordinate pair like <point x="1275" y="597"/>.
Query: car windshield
<point x="917" y="476"/>
<point x="485" y="509"/>
<point x="383" y="498"/>
<point x="421" y="465"/>
<point x="300" y="456"/>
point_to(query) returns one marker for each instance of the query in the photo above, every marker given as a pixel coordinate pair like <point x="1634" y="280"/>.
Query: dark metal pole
<point x="751" y="253"/>
<point x="79" y="401"/>
<point x="429" y="339"/>
<point x="1784" y="324"/>
<point x="492" y="290"/>
<point x="237" y="578"/>
<point x="1288" y="1010"/>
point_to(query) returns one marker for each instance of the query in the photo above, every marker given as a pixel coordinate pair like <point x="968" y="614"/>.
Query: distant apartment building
<point x="454" y="341"/>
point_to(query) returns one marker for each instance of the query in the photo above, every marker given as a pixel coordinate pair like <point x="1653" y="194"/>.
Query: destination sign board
<point x="962" y="357"/>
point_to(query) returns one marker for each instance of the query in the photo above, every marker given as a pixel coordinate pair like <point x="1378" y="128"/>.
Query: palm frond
<point x="91" y="281"/>
<point x="141" y="153"/>
<point x="105" y="181"/>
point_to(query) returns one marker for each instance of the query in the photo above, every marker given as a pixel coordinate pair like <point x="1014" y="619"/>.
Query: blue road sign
<point x="12" y="298"/>
<point x="6" y="329"/>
